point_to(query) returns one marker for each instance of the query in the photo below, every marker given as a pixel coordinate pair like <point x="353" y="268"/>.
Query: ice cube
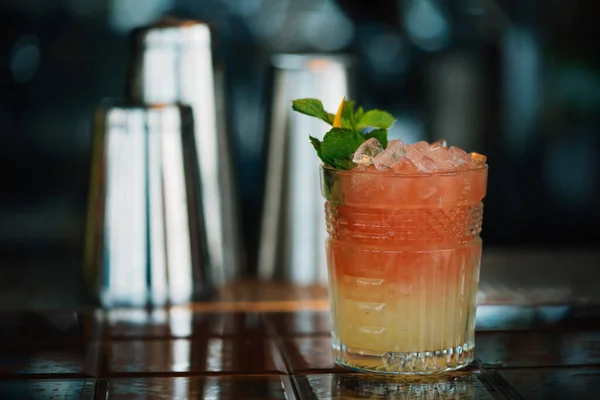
<point x="405" y="166"/>
<point x="426" y="164"/>
<point x="421" y="146"/>
<point x="443" y="158"/>
<point x="367" y="151"/>
<point x="362" y="168"/>
<point x="459" y="154"/>
<point x="478" y="159"/>
<point x="440" y="143"/>
<point x="395" y="151"/>
<point x="413" y="154"/>
<point x="461" y="159"/>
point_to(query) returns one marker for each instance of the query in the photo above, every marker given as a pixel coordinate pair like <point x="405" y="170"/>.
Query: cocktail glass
<point x="403" y="254"/>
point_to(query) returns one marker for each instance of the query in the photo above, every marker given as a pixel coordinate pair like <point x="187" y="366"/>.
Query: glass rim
<point x="391" y="174"/>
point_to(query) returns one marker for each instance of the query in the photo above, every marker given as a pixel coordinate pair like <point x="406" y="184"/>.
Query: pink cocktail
<point x="404" y="253"/>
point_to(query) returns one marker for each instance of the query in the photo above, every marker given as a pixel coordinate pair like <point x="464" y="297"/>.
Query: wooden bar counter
<point x="266" y="340"/>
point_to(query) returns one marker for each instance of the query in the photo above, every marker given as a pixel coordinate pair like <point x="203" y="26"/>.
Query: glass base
<point x="414" y="363"/>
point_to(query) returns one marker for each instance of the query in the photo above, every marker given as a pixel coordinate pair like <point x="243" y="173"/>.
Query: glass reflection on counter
<point x="454" y="386"/>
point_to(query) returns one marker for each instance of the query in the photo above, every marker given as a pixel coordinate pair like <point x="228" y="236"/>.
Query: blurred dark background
<point x="516" y="80"/>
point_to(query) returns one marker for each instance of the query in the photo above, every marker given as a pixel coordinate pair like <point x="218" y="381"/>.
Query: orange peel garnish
<point x="337" y="121"/>
<point x="478" y="158"/>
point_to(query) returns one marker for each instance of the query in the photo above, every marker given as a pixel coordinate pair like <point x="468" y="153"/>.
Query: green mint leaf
<point x="313" y="108"/>
<point x="344" y="163"/>
<point x="379" y="134"/>
<point x="348" y="120"/>
<point x="316" y="144"/>
<point x="338" y="147"/>
<point x="330" y="187"/>
<point x="359" y="113"/>
<point x="375" y="119"/>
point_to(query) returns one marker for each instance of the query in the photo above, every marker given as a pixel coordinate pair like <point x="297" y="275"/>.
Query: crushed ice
<point x="394" y="152"/>
<point x="367" y="151"/>
<point x="417" y="157"/>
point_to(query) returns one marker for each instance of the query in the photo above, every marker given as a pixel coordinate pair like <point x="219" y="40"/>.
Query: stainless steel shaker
<point x="146" y="241"/>
<point x="292" y="239"/>
<point x="162" y="213"/>
<point x="172" y="62"/>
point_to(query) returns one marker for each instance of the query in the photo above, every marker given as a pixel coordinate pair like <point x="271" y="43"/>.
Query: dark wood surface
<point x="508" y="276"/>
<point x="270" y="352"/>
<point x="538" y="337"/>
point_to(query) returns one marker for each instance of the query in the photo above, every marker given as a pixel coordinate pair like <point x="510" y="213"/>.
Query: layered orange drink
<point x="404" y="249"/>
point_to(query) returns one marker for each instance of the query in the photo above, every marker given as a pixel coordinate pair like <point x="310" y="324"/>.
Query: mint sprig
<point x="339" y="144"/>
<point x="313" y="108"/>
<point x="316" y="144"/>
<point x="379" y="134"/>
<point x="375" y="119"/>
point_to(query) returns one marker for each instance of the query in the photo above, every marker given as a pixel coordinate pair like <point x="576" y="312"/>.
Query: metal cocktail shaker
<point x="162" y="223"/>
<point x="293" y="228"/>
<point x="146" y="241"/>
<point x="172" y="62"/>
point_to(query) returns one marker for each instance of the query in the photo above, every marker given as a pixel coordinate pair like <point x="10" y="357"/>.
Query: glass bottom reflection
<point x="459" y="385"/>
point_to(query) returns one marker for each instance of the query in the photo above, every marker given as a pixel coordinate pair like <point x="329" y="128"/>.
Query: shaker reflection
<point x="179" y="322"/>
<point x="197" y="356"/>
<point x="202" y="387"/>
